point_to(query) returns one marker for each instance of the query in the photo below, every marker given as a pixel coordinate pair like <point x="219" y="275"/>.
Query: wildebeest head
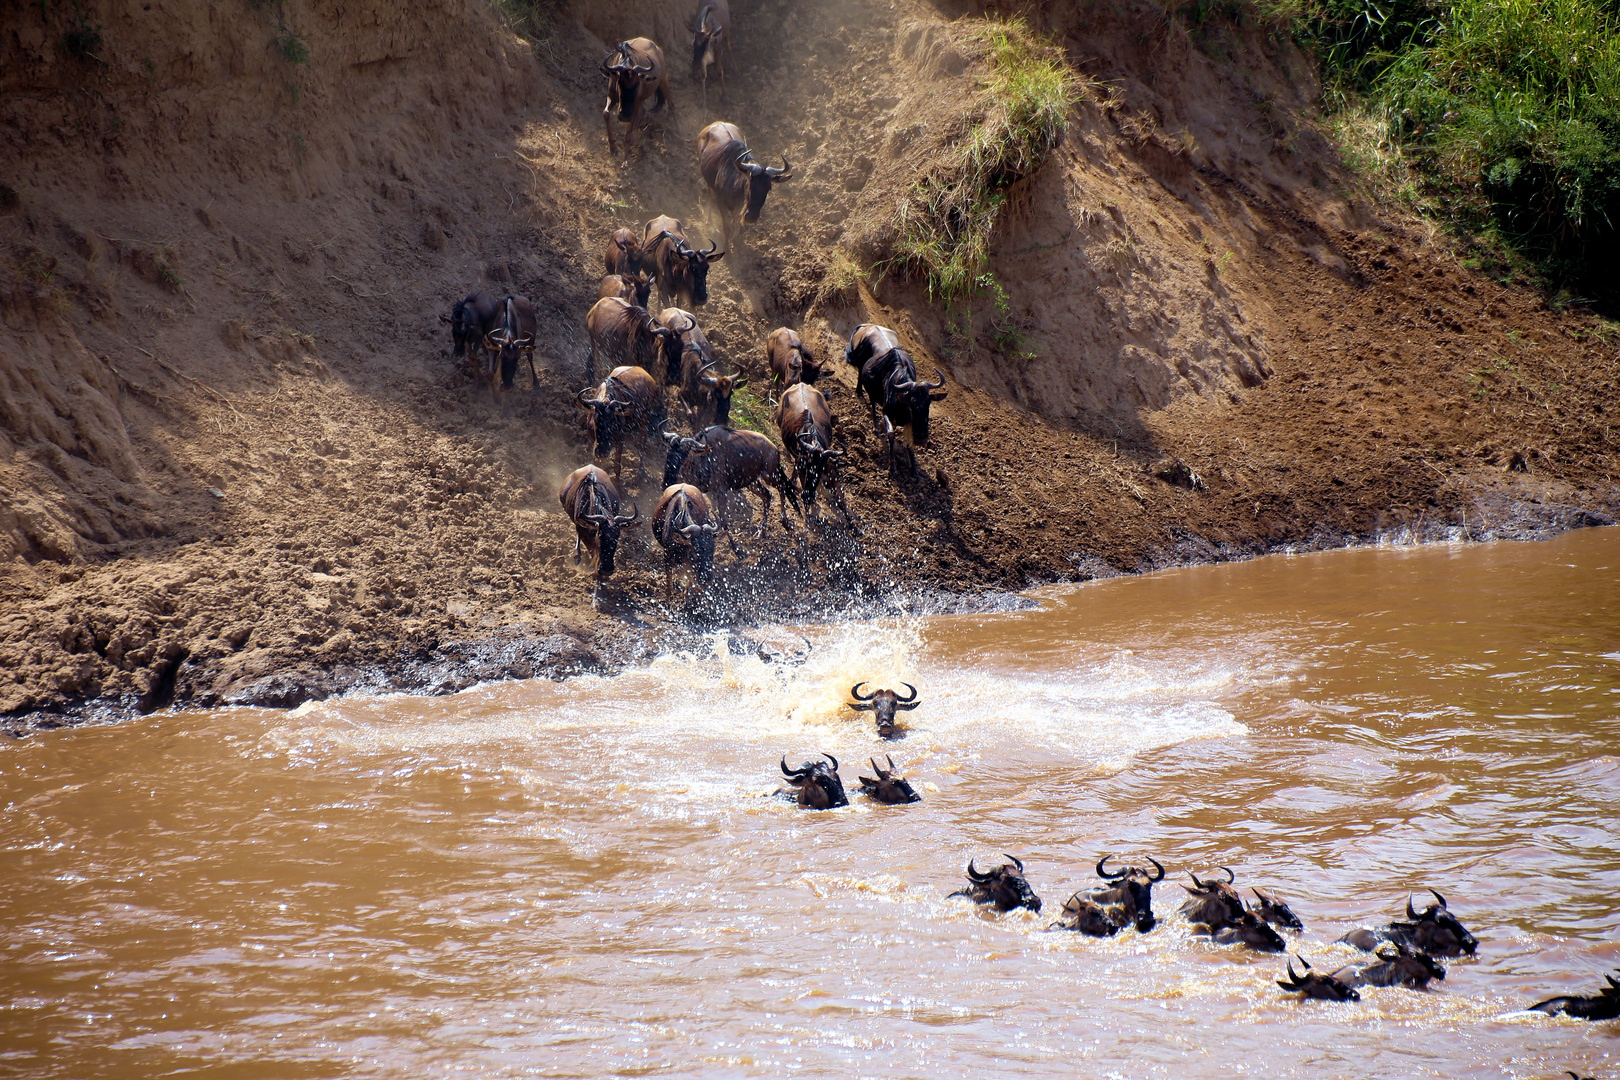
<point x="818" y="461"/>
<point x="697" y="266"/>
<point x="1436" y="930"/>
<point x="608" y="528"/>
<point x="509" y="348"/>
<point x="888" y="788"/>
<point x="1315" y="985"/>
<point x="1085" y="915"/>
<point x="643" y="284"/>
<point x="706" y="34"/>
<point x="626" y="75"/>
<point x="679" y="446"/>
<point x="882" y="704"/>
<point x="700" y="535"/>
<point x="760" y="179"/>
<point x="1275" y="911"/>
<point x="464" y="326"/>
<point x="1252" y="931"/>
<point x="607" y="419"/>
<point x="818" y="787"/>
<point x="1134" y="888"/>
<point x="915" y="396"/>
<point x="1005" y="887"/>
<point x="1214" y="903"/>
<point x="1405" y="965"/>
<point x="722" y="387"/>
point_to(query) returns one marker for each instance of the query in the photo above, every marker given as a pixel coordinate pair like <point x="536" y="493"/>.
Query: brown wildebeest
<point x="816" y="786"/>
<point x="888" y="788"/>
<point x="634" y="288"/>
<point x="888" y="378"/>
<point x="1085" y="916"/>
<point x="1004" y="887"/>
<point x="737" y="182"/>
<point x="725" y="460"/>
<point x="1434" y="930"/>
<point x="788" y="361"/>
<point x="682" y="271"/>
<point x="1603" y="1005"/>
<point x="628" y="403"/>
<point x="1213" y="903"/>
<point x="624" y="334"/>
<point x="709" y="401"/>
<point x="805" y="424"/>
<point x="1397" y="965"/>
<point x="634" y="70"/>
<point x="711" y="45"/>
<point x="469" y="321"/>
<point x="1315" y="985"/>
<point x="1132" y="891"/>
<point x="688" y="341"/>
<point x="1251" y="931"/>
<point x="510" y="342"/>
<point x="623" y="253"/>
<point x="684" y="528"/>
<point x="591" y="502"/>
<point x="882" y="704"/>
<point x="1275" y="910"/>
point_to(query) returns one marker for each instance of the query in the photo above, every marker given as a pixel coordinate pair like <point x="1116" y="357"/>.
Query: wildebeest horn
<point x="1442" y="900"/>
<point x="782" y="173"/>
<point x="832" y="759"/>
<point x="1231" y="878"/>
<point x="907" y="703"/>
<point x="975" y="875"/>
<point x="1304" y="961"/>
<point x="1387" y="950"/>
<point x="579" y="399"/>
<point x="750" y="167"/>
<point x="713" y="247"/>
<point x="625" y="519"/>
<point x="879" y="769"/>
<point x="1016" y="862"/>
<point x="913" y="690"/>
<point x="939" y="381"/>
<point x="1156" y="865"/>
<point x="1410" y="914"/>
<point x="855" y="692"/>
<point x="447" y="319"/>
<point x="639" y="70"/>
<point x="1202" y="885"/>
<point x="797" y="774"/>
<point x="525" y="341"/>
<point x="1105" y="874"/>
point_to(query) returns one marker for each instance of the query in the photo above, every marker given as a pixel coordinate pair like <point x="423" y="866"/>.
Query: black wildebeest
<point x="632" y="288"/>
<point x="888" y="379"/>
<point x="686" y="341"/>
<point x="1275" y="911"/>
<point x="815" y="785"/>
<point x="711" y="45"/>
<point x="1005" y="887"/>
<point x="684" y="528"/>
<point x="1603" y="1005"/>
<point x="787" y="359"/>
<point x="724" y="460"/>
<point x="510" y="342"/>
<point x="591" y="502"/>
<point x="882" y="704"/>
<point x="627" y="403"/>
<point x="682" y="270"/>
<point x="623" y="253"/>
<point x="888" y="788"/>
<point x="1213" y="903"/>
<point x="1132" y="891"/>
<point x="1397" y="965"/>
<point x="1251" y="931"/>
<point x="805" y="424"/>
<point x="470" y="320"/>
<point x="624" y="334"/>
<point x="1434" y="930"/>
<point x="737" y="183"/>
<point x="707" y="396"/>
<point x="1316" y="985"/>
<point x="634" y="70"/>
<point x="1085" y="916"/>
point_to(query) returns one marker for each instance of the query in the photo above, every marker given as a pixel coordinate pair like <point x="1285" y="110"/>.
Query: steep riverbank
<point x="239" y="465"/>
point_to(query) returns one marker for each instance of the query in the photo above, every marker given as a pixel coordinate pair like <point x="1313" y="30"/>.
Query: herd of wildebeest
<point x="667" y="351"/>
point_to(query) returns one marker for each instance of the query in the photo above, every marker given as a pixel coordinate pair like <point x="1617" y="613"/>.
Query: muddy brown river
<point x="589" y="878"/>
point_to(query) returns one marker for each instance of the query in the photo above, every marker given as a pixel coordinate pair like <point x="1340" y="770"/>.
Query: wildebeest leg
<point x="720" y="69"/>
<point x="578" y="547"/>
<point x="669" y="578"/>
<point x="785" y="488"/>
<point x="618" y="461"/>
<point x="607" y="121"/>
<point x="533" y="371"/>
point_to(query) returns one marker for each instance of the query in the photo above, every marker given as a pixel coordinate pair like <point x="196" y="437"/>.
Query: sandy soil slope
<point x="238" y="463"/>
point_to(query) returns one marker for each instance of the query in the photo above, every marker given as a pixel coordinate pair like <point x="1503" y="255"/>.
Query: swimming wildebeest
<point x="815" y="785"/>
<point x="627" y="404"/>
<point x="623" y="253"/>
<point x="1316" y="985"/>
<point x="635" y="71"/>
<point x="805" y="424"/>
<point x="882" y="704"/>
<point x="711" y="45"/>
<point x="888" y="379"/>
<point x="1275" y="911"/>
<point x="737" y="182"/>
<point x="470" y="320"/>
<point x="1603" y="1005"/>
<point x="1005" y="887"/>
<point x="724" y="460"/>
<point x="1084" y="915"/>
<point x="625" y="334"/>
<point x="591" y="502"/>
<point x="684" y="528"/>
<point x="632" y="288"/>
<point x="1250" y="931"/>
<point x="1132" y="891"/>
<point x="1213" y="903"/>
<point x="682" y="270"/>
<point x="1397" y="965"/>
<point x="788" y="360"/>
<point x="1433" y="930"/>
<point x="888" y="788"/>
<point x="512" y="341"/>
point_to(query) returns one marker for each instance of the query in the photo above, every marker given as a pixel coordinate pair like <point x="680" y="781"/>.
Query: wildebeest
<point x="1213" y="903"/>
<point x="632" y="288"/>
<point x="788" y="360"/>
<point x="1434" y="930"/>
<point x="737" y="182"/>
<point x="627" y="403"/>
<point x="1397" y="965"/>
<point x="724" y="460"/>
<point x="711" y="45"/>
<point x="888" y="379"/>
<point x="511" y="341"/>
<point x="686" y="342"/>
<point x="1603" y="1005"/>
<point x="684" y="528"/>
<point x="624" y="334"/>
<point x="707" y="396"/>
<point x="805" y="424"/>
<point x="1316" y="985"/>
<point x="623" y="253"/>
<point x="882" y="704"/>
<point x="682" y="271"/>
<point x="1084" y="915"/>
<point x="1251" y="931"/>
<point x="888" y="788"/>
<point x="470" y="320"/>
<point x="634" y="69"/>
<point x="815" y="785"/>
<point x="1275" y="911"/>
<point x="591" y="502"/>
<point x="1132" y="891"/>
<point x="1005" y="887"/>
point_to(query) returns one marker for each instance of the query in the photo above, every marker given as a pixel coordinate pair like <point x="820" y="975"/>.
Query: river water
<point x="589" y="878"/>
